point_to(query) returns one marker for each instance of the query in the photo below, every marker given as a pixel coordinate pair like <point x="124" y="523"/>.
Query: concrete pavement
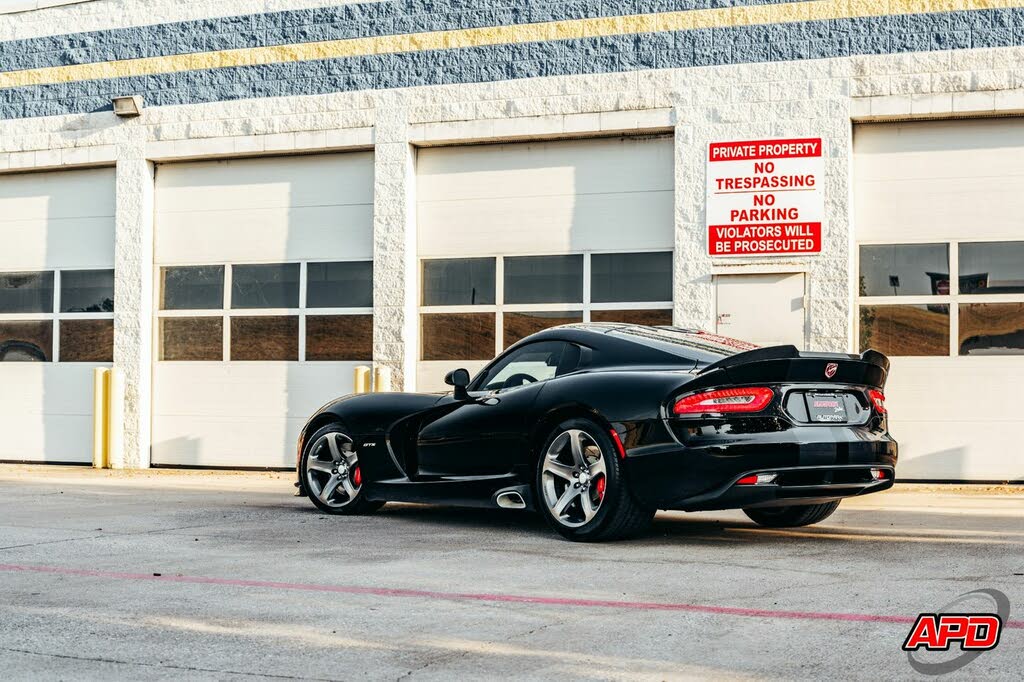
<point x="256" y="583"/>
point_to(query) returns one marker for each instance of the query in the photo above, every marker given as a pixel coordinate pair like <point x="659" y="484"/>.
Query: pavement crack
<point x="165" y="666"/>
<point x="50" y="542"/>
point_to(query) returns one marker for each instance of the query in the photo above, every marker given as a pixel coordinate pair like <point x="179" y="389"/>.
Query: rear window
<point x="688" y="343"/>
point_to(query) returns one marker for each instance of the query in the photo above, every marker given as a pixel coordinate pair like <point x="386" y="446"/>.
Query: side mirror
<point x="459" y="378"/>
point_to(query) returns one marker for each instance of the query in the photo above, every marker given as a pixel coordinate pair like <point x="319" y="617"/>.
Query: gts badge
<point x="370" y="444"/>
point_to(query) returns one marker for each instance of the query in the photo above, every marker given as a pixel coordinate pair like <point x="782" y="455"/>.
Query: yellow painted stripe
<point x="497" y="35"/>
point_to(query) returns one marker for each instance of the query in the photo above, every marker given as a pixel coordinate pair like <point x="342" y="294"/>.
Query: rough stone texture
<point x="465" y="61"/>
<point x="819" y="97"/>
<point x="395" y="337"/>
<point x="96" y="15"/>
<point x="133" y="296"/>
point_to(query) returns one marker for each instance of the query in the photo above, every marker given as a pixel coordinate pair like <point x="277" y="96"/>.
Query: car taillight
<point x="725" y="400"/>
<point x="878" y="400"/>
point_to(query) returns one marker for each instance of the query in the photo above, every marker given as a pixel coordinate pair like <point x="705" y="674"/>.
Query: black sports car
<point x="597" y="426"/>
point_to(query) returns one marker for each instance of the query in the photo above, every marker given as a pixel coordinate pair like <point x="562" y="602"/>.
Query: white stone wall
<point x="821" y="97"/>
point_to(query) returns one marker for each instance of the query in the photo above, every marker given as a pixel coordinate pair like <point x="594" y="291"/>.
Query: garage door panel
<point x="283" y="208"/>
<point x="57" y="220"/>
<point x="895" y="209"/>
<point x="284" y="182"/>
<point x="56" y="195"/>
<point x="240" y="441"/>
<point x="231" y="388"/>
<point x="562" y="168"/>
<point x="239" y="414"/>
<point x="54" y="220"/>
<point x="544" y="224"/>
<point x="301" y="233"/>
<point x="545" y="198"/>
<point x="955" y="417"/>
<point x="46" y="412"/>
<point x="266" y="210"/>
<point x="939" y="179"/>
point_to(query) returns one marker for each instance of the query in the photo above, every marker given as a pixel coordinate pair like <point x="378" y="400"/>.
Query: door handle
<point x="490" y="401"/>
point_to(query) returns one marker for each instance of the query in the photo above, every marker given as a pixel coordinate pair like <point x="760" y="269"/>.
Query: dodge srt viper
<point x="597" y="426"/>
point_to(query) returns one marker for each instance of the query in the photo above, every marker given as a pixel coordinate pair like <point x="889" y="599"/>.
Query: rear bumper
<point x="796" y="485"/>
<point x="819" y="463"/>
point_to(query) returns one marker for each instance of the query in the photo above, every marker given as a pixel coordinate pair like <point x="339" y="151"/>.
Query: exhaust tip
<point x="510" y="499"/>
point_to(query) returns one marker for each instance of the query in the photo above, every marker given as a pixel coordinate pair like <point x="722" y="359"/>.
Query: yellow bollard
<point x="381" y="379"/>
<point x="362" y="379"/>
<point x="100" y="378"/>
<point x="115" y="419"/>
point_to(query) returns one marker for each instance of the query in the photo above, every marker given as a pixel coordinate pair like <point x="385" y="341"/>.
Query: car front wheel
<point x="331" y="475"/>
<point x="581" y="486"/>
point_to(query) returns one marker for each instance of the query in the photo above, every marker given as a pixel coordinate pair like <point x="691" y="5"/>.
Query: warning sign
<point x="765" y="197"/>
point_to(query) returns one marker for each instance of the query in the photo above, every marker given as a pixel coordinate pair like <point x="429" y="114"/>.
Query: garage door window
<point x="915" y="299"/>
<point x="267" y="312"/>
<point x="472" y="308"/>
<point x="57" y="315"/>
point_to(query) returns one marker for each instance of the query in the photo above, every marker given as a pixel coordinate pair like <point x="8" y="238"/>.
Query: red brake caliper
<point x="600" y="488"/>
<point x="357" y="477"/>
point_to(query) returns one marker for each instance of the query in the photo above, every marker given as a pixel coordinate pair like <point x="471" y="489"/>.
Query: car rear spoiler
<point x="787" y="364"/>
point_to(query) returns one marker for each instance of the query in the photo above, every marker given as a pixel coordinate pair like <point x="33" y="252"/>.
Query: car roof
<point x="624" y="344"/>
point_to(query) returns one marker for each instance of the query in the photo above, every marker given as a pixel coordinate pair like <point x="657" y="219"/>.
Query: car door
<point x="487" y="433"/>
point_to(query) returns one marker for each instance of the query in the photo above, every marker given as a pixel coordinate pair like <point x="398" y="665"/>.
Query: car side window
<point x="532" y="363"/>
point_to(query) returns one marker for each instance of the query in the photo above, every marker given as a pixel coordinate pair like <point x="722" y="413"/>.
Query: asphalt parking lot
<point x="165" y="575"/>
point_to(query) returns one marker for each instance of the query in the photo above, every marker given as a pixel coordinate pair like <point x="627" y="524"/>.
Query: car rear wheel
<point x="790" y="517"/>
<point x="331" y="476"/>
<point x="581" y="487"/>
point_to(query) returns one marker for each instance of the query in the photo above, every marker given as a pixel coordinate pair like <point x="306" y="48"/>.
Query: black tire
<point x="791" y="517"/>
<point x="619" y="515"/>
<point x="358" y="505"/>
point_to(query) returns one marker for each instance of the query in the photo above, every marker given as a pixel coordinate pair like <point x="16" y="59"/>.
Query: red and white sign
<point x="765" y="197"/>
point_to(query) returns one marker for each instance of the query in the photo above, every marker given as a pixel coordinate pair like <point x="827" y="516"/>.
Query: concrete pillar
<point x="694" y="305"/>
<point x="133" y="301"/>
<point x="395" y="323"/>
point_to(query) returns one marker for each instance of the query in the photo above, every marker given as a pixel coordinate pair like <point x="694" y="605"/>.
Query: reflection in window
<point x="457" y="336"/>
<point x="992" y="268"/>
<point x="192" y="338"/>
<point x="265" y="286"/>
<point x="86" y="340"/>
<point x="458" y="281"/>
<point x="339" y="285"/>
<point x="86" y="291"/>
<point x="544" y="279"/>
<point x="904" y="270"/>
<point x="520" y="325"/>
<point x="650" y="318"/>
<point x="992" y="329"/>
<point x="265" y="338"/>
<point x="26" y="340"/>
<point x="637" y="277"/>
<point x="26" y="292"/>
<point x="905" y="329"/>
<point x="199" y="287"/>
<point x="532" y="363"/>
<point x="339" y="337"/>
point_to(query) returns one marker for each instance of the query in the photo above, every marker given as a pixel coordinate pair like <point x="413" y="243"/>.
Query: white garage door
<point x="264" y="302"/>
<point x="941" y="289"/>
<point x="514" y="238"/>
<point x="56" y="309"/>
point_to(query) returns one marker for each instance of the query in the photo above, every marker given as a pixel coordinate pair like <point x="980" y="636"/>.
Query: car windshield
<point x="690" y="343"/>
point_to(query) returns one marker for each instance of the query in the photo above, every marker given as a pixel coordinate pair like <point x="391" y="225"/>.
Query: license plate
<point x="826" y="408"/>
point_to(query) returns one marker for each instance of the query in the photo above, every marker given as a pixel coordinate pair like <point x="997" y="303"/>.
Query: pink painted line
<point x="479" y="596"/>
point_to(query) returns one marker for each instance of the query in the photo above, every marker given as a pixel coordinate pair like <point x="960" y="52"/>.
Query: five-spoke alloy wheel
<point x="332" y="477"/>
<point x="581" y="485"/>
<point x="573" y="478"/>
